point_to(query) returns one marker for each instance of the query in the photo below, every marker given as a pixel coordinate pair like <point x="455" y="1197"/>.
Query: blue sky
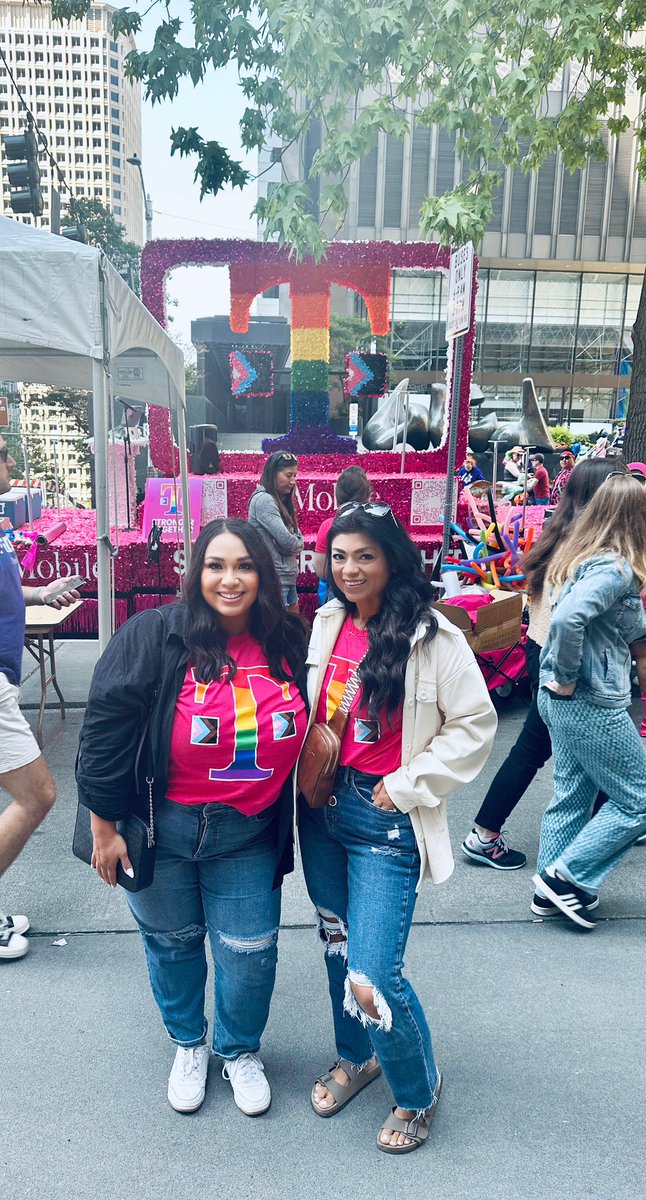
<point x="215" y="108"/>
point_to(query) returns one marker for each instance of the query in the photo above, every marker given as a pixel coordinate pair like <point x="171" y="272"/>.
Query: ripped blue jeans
<point x="361" y="868"/>
<point x="214" y="873"/>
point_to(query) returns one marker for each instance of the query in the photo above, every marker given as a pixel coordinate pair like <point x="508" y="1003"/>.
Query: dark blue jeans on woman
<point x="214" y="871"/>
<point x="361" y="868"/>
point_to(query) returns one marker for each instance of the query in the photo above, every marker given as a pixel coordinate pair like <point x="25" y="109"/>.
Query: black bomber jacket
<point x="136" y="683"/>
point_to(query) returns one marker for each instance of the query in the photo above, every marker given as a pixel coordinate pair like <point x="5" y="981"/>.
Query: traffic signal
<point x="23" y="173"/>
<point x="75" y="233"/>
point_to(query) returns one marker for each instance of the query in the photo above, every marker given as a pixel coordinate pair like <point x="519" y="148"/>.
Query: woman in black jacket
<point x="222" y="672"/>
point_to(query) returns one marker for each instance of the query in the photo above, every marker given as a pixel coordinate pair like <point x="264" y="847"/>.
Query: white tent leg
<point x="183" y="471"/>
<point x="100" y="408"/>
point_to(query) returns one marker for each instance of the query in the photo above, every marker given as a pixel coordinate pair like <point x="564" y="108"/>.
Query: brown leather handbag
<point x="321" y="751"/>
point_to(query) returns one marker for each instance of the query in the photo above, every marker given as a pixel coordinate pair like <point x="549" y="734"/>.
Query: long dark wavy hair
<point x="281" y="460"/>
<point x="282" y="635"/>
<point x="584" y="481"/>
<point x="406" y="603"/>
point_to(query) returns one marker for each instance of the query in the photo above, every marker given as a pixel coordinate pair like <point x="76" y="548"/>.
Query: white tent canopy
<point x="68" y="319"/>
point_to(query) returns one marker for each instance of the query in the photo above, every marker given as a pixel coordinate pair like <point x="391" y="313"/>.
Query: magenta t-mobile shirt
<point x="369" y="745"/>
<point x="235" y="742"/>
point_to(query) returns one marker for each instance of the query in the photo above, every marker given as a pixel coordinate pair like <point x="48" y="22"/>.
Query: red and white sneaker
<point x="494" y="853"/>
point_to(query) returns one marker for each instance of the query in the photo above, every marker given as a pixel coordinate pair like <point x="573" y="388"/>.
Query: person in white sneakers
<point x="226" y="667"/>
<point x="24" y="775"/>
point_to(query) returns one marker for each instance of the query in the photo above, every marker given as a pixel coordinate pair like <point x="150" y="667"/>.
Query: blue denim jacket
<point x="595" y="618"/>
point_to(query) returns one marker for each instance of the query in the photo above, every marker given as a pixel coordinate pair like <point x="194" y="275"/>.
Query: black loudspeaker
<point x="201" y="433"/>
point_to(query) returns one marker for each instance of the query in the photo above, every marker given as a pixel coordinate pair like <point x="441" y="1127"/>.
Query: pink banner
<point x="163" y="504"/>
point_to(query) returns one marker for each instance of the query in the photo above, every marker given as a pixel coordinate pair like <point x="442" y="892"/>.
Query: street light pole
<point x="135" y="161"/>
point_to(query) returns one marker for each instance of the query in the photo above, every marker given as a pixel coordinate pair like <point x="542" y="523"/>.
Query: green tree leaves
<point x="514" y="84"/>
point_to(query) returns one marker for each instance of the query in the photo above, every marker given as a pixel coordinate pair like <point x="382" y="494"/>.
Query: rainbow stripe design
<point x="310" y="342"/>
<point x="244" y="765"/>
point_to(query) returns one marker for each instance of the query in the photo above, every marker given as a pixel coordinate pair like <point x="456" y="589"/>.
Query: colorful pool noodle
<point x="471" y="501"/>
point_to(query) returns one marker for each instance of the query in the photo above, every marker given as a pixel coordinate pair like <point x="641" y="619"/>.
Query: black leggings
<point x="532" y="750"/>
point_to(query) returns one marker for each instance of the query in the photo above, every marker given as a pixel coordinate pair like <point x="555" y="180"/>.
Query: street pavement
<point x="537" y="1027"/>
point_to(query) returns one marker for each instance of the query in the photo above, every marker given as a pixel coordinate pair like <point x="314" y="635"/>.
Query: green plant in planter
<point x="562" y="435"/>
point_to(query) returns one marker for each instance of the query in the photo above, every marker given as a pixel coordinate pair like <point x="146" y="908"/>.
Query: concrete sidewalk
<point x="538" y="1028"/>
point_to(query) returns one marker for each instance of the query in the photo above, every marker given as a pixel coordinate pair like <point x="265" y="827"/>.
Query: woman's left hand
<point x="560" y="689"/>
<point x="381" y="799"/>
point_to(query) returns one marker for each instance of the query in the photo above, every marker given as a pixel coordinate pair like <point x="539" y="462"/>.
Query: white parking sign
<point x="458" y="310"/>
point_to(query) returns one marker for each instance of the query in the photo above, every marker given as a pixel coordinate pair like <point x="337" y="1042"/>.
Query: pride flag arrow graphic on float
<point x="357" y="373"/>
<point x="242" y="373"/>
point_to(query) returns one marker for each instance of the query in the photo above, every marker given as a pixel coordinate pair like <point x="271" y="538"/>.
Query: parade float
<point x="94" y="335"/>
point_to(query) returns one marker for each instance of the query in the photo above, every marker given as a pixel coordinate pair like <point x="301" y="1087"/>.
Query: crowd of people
<point x="196" y="718"/>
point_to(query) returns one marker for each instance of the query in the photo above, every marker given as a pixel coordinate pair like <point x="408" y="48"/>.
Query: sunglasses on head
<point x="286" y="458"/>
<point x="375" y="508"/>
<point x="624" y="475"/>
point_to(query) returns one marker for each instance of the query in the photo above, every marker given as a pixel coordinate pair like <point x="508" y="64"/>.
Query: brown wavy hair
<point x="614" y="522"/>
<point x="582" y="485"/>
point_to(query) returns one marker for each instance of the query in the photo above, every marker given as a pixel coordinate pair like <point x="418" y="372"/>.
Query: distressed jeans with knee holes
<point x="214" y="873"/>
<point x="361" y="867"/>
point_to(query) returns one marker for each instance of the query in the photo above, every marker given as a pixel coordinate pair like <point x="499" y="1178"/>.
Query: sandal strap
<point x="342" y="1092"/>
<point x="415" y="1128"/>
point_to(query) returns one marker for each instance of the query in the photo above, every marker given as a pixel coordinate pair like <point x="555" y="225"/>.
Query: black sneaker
<point x="496" y="853"/>
<point x="570" y="900"/>
<point x="544" y="907"/>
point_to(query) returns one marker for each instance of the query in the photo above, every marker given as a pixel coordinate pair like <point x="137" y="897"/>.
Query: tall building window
<point x="367" y="189"/>
<point x="393" y="181"/>
<point x="545" y="196"/>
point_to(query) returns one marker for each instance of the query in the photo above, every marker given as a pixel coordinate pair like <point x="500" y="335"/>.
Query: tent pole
<point x="183" y="471"/>
<point x="100" y="408"/>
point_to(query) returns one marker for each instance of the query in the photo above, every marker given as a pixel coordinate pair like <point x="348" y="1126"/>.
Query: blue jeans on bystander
<point x="361" y="867"/>
<point x="214" y="872"/>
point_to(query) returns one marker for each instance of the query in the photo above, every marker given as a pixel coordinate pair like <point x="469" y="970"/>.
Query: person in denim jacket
<point x="598" y="573"/>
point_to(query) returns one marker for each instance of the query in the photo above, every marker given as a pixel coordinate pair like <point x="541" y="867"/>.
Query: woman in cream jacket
<point x="421" y="725"/>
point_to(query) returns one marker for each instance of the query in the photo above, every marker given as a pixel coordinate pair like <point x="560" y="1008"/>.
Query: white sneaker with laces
<point x="251" y="1091"/>
<point x="187" y="1080"/>
<point x="12" y="943"/>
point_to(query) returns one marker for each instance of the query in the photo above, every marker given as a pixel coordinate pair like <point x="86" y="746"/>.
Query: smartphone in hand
<point x="65" y="585"/>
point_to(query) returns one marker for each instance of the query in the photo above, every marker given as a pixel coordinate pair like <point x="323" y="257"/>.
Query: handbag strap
<point x="150" y="778"/>
<point x="339" y="718"/>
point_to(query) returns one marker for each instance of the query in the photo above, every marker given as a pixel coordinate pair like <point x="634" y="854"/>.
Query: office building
<point x="72" y="78"/>
<point x="561" y="268"/>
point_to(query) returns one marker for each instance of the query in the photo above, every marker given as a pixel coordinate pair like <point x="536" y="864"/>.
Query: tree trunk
<point x="635" y="443"/>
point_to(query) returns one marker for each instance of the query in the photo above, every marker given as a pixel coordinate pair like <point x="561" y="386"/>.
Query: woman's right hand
<point x="109" y="849"/>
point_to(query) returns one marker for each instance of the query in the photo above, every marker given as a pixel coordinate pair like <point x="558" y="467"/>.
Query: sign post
<point x="458" y="322"/>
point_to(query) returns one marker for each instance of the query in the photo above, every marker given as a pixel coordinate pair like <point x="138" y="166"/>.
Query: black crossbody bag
<point x="138" y="835"/>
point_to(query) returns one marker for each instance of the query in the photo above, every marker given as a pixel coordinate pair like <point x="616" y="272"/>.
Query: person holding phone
<point x="222" y="674"/>
<point x="24" y="774"/>
<point x="421" y="724"/>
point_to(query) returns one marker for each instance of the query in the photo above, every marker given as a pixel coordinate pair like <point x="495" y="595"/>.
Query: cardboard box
<point x="497" y="625"/>
<point x="13" y="504"/>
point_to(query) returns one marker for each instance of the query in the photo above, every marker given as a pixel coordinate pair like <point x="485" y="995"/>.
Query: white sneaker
<point x="251" y="1091"/>
<point x="187" y="1080"/>
<point x="12" y="943"/>
<point x="15" y="924"/>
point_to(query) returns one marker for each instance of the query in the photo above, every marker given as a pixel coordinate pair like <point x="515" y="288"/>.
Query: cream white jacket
<point x="448" y="728"/>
